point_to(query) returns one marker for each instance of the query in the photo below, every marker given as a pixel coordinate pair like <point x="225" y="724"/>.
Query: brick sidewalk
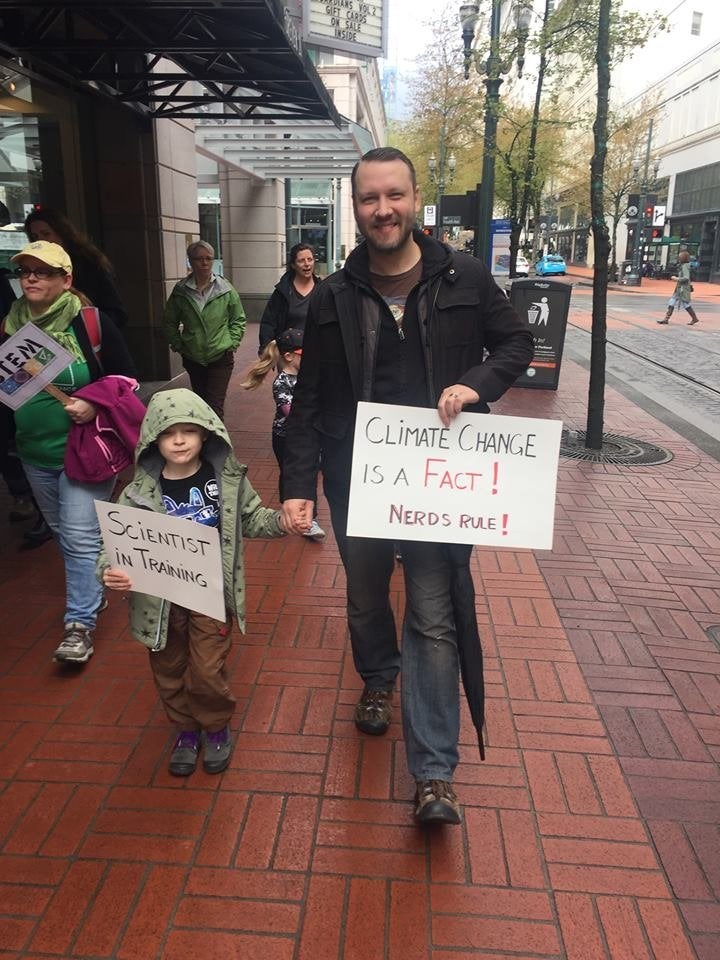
<point x="662" y="288"/>
<point x="590" y="832"/>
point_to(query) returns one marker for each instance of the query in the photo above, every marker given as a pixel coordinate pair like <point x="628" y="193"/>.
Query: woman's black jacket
<point x="274" y="320"/>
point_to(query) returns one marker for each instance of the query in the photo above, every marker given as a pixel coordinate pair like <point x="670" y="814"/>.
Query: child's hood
<point x="168" y="407"/>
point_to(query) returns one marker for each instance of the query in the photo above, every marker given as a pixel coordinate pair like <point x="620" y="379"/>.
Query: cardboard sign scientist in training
<point x="484" y="479"/>
<point x="165" y="556"/>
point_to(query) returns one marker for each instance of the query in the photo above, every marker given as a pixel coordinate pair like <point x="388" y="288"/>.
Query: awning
<point x="172" y="58"/>
<point x="311" y="149"/>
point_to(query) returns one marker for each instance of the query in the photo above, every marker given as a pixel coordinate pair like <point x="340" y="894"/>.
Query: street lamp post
<point x="440" y="168"/>
<point x="493" y="70"/>
<point x="645" y="186"/>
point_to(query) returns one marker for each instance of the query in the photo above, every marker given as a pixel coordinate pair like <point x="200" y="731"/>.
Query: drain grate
<point x="615" y="449"/>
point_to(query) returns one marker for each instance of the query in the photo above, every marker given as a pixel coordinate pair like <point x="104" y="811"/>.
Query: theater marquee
<point x="358" y="26"/>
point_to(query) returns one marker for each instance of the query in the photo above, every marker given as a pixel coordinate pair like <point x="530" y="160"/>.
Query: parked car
<point x="522" y="267"/>
<point x="551" y="263"/>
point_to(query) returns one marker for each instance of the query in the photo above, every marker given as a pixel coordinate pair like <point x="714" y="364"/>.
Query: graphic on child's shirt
<point x="193" y="499"/>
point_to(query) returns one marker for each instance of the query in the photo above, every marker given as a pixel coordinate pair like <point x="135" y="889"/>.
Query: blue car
<point x="549" y="264"/>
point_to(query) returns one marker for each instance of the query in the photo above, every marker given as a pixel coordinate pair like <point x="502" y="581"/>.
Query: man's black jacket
<point x="470" y="333"/>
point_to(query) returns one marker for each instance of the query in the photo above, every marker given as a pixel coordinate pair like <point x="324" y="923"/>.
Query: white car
<point x="522" y="267"/>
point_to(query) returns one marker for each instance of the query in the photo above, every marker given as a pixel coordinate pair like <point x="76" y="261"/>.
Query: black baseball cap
<point x="290" y="340"/>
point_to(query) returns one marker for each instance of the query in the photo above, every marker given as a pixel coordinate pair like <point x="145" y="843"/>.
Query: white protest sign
<point x="167" y="557"/>
<point x="484" y="479"/>
<point x="29" y="343"/>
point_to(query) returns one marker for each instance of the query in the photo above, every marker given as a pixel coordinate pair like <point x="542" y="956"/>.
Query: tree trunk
<point x="514" y="246"/>
<point x="614" y="265"/>
<point x="596" y="392"/>
<point x="529" y="173"/>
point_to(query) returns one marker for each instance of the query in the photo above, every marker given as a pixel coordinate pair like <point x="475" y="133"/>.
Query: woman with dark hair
<point x="93" y="274"/>
<point x="287" y="307"/>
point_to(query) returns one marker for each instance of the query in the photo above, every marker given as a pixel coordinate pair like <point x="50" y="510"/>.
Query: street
<point x="673" y="370"/>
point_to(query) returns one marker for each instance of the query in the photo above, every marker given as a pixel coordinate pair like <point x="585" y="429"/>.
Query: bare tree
<point x="596" y="392"/>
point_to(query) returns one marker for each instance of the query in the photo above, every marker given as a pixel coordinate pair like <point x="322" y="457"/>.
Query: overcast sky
<point x="407" y="33"/>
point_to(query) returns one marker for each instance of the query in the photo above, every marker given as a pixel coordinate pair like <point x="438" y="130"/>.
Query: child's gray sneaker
<point x="183" y="758"/>
<point x="218" y="750"/>
<point x="76" y="645"/>
<point x="315" y="532"/>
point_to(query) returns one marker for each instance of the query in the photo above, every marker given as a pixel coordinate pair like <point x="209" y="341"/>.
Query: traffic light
<point x="428" y="231"/>
<point x="656" y="233"/>
<point x="649" y="209"/>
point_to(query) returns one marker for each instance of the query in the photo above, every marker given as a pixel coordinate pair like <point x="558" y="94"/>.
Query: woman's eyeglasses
<point x="40" y="273"/>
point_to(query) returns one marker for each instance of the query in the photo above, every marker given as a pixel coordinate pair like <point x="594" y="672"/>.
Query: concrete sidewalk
<point x="590" y="832"/>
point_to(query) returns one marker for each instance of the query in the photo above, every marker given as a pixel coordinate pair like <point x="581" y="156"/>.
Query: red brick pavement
<point x="590" y="832"/>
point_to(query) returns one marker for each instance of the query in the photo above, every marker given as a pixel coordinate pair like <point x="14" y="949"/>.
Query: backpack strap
<point x="91" y="319"/>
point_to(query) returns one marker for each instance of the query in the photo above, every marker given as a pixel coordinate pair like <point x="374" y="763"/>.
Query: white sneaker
<point x="315" y="532"/>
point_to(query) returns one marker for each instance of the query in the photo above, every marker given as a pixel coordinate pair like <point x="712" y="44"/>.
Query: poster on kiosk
<point x="500" y="258"/>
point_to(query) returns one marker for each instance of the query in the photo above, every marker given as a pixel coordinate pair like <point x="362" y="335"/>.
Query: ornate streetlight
<point x="646" y="201"/>
<point x="492" y="69"/>
<point x="442" y="172"/>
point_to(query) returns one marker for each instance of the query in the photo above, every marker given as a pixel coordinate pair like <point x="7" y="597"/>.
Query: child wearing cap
<point x="283" y="354"/>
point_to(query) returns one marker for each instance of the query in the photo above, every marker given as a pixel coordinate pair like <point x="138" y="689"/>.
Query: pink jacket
<point x="106" y="445"/>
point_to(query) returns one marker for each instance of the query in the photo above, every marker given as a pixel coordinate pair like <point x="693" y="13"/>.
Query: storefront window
<point x="310" y="225"/>
<point x="31" y="171"/>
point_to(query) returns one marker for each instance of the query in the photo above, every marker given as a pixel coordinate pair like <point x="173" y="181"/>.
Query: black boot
<point x="37" y="535"/>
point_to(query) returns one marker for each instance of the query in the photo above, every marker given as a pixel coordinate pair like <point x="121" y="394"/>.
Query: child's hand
<point x="297" y="516"/>
<point x="116" y="579"/>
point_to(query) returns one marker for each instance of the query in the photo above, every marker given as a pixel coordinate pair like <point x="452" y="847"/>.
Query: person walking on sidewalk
<point x="204" y="323"/>
<point x="42" y="428"/>
<point x="283" y="354"/>
<point x="683" y="289"/>
<point x="185" y="467"/>
<point x="406" y="321"/>
<point x="288" y="305"/>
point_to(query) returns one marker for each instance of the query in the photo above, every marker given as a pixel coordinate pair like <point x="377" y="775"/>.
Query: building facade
<point x="100" y="108"/>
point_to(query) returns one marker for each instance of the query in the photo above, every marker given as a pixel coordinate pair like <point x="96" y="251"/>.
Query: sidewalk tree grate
<point x="615" y="449"/>
<point x="714" y="633"/>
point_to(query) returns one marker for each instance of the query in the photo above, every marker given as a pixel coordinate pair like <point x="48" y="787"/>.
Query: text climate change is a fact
<point x="485" y="479"/>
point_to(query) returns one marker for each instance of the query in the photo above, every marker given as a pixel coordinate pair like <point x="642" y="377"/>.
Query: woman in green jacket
<point x="204" y="323"/>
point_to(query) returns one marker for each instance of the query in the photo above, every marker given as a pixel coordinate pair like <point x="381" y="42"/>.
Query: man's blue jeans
<point x="429" y="657"/>
<point x="430" y="664"/>
<point x="69" y="509"/>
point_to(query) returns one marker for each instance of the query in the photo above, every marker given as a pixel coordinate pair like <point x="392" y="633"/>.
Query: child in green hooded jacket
<point x="185" y="467"/>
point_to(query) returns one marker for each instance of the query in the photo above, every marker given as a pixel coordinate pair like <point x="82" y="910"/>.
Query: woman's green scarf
<point x="55" y="320"/>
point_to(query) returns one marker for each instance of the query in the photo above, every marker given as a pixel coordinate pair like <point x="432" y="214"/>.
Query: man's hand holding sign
<point x="453" y="400"/>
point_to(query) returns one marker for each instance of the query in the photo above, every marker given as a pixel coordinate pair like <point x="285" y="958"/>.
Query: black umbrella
<point x="462" y="595"/>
